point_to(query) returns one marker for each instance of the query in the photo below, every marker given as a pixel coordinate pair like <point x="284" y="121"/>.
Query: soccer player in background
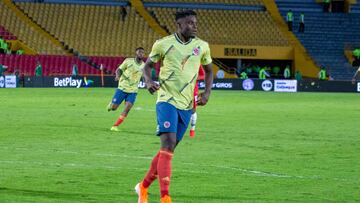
<point x="181" y="55"/>
<point x="128" y="74"/>
<point x="193" y="118"/>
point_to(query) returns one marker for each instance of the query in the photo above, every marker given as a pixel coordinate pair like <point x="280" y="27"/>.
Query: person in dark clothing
<point x="290" y="19"/>
<point x="326" y="5"/>
<point x="123" y="13"/>
<point x="302" y="22"/>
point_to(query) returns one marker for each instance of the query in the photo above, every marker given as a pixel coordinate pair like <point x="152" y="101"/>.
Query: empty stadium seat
<point x="93" y="30"/>
<point x="26" y="33"/>
<point x="58" y="64"/>
<point x="326" y="34"/>
<point x="229" y="27"/>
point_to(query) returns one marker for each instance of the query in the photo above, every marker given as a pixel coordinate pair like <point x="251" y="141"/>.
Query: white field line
<point x="221" y="167"/>
<point x="139" y="108"/>
<point x="89" y="166"/>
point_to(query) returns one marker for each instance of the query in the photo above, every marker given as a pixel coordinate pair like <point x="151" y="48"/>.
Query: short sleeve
<point x="156" y="52"/>
<point x="206" y="57"/>
<point x="124" y="65"/>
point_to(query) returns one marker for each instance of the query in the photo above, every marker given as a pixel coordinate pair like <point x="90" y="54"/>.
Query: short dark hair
<point x="139" y="48"/>
<point x="183" y="14"/>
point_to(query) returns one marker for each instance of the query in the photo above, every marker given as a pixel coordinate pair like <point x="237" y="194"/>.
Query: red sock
<point x="164" y="171"/>
<point x="120" y="120"/>
<point x="152" y="173"/>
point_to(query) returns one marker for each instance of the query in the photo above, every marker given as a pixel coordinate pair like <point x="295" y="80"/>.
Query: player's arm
<point x="154" y="57"/>
<point x="204" y="96"/>
<point x="354" y="77"/>
<point x="118" y="74"/>
<point x="207" y="65"/>
<point x="119" y="71"/>
<point x="150" y="84"/>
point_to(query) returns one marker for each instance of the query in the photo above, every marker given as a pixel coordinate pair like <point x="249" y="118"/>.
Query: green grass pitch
<point x="55" y="146"/>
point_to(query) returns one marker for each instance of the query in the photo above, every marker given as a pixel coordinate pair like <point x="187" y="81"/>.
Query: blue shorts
<point x="172" y="120"/>
<point x="120" y="95"/>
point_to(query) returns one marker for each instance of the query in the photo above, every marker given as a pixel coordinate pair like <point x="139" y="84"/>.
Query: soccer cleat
<point x="192" y="133"/>
<point x="142" y="193"/>
<point x="115" y="128"/>
<point x="165" y="199"/>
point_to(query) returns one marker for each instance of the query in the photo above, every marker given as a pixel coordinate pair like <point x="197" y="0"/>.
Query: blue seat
<point x="325" y="33"/>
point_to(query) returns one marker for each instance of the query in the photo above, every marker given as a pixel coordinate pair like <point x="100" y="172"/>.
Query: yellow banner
<point x="252" y="52"/>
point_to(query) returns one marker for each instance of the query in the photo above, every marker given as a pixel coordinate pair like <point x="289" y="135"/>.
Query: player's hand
<point x="203" y="98"/>
<point x="152" y="86"/>
<point x="353" y="81"/>
<point x="116" y="78"/>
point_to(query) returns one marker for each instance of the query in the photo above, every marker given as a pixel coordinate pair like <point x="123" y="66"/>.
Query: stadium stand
<point x="25" y="33"/>
<point x="229" y="27"/>
<point x="101" y="32"/>
<point x="355" y="8"/>
<point x="241" y="2"/>
<point x="57" y="64"/>
<point x="93" y="29"/>
<point x="326" y="34"/>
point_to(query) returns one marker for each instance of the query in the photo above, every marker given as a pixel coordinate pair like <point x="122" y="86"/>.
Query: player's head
<point x="186" y="23"/>
<point x="140" y="52"/>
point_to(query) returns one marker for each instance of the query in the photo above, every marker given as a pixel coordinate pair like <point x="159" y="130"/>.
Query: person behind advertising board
<point x="244" y="75"/>
<point x="3" y="69"/>
<point x="298" y="75"/>
<point x="322" y="73"/>
<point x="287" y="72"/>
<point x="38" y="69"/>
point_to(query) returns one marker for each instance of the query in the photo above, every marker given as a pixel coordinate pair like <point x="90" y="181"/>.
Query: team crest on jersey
<point x="196" y="51"/>
<point x="167" y="124"/>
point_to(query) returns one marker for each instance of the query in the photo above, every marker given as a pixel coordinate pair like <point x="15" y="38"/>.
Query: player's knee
<point x="114" y="107"/>
<point x="168" y="141"/>
<point x="165" y="180"/>
<point x="170" y="146"/>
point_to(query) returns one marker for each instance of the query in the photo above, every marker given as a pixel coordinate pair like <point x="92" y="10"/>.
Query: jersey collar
<point x="179" y="40"/>
<point x="137" y="62"/>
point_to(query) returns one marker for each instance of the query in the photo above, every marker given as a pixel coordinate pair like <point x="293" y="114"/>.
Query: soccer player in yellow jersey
<point x="181" y="55"/>
<point x="128" y="74"/>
